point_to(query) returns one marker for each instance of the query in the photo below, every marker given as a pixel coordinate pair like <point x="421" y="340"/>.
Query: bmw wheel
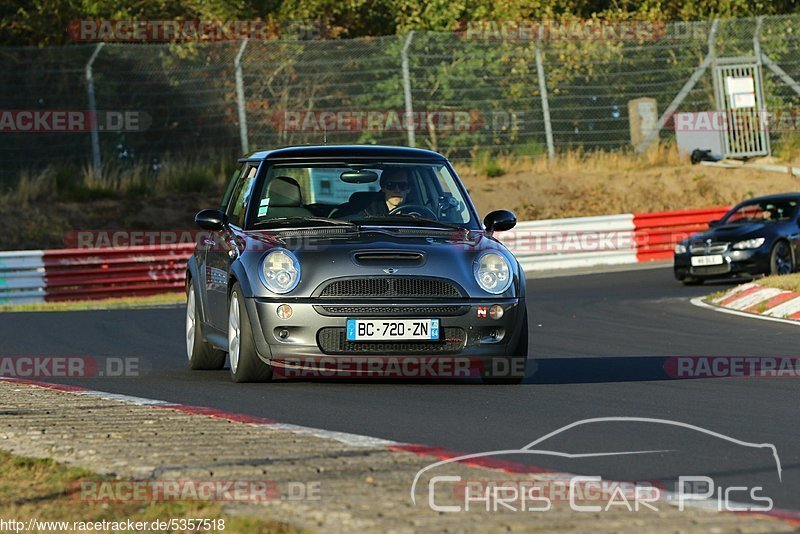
<point x="780" y="259"/>
<point x="202" y="356"/>
<point x="246" y="366"/>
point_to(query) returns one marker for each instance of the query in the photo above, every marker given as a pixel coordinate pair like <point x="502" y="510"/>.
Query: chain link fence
<point x="469" y="93"/>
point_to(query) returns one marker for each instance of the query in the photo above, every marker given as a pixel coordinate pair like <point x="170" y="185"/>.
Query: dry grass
<point x="574" y="184"/>
<point x="580" y="183"/>
<point x="45" y="490"/>
<point x="790" y="282"/>
<point x="173" y="176"/>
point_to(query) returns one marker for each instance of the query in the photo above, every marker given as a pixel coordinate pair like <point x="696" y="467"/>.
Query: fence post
<point x="548" y="127"/>
<point x="688" y="86"/>
<point x="407" y="90"/>
<point x="240" y="102"/>
<point x="93" y="108"/>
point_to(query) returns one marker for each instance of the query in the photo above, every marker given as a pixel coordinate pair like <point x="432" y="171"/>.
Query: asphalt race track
<point x="599" y="344"/>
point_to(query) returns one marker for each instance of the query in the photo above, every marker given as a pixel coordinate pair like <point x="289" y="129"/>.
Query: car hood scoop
<point x="391" y="258"/>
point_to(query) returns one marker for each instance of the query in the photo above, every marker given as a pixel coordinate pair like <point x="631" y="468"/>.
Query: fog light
<point x="284" y="311"/>
<point x="496" y="311"/>
<point x="283" y="334"/>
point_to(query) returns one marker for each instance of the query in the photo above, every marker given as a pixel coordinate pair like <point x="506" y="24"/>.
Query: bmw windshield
<point x="763" y="212"/>
<point x="418" y="194"/>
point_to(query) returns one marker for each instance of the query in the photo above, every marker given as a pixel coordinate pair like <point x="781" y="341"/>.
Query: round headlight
<point x="280" y="271"/>
<point x="492" y="273"/>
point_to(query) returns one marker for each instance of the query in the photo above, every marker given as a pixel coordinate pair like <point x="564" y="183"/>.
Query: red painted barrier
<point x="94" y="273"/>
<point x="656" y="234"/>
<point x="84" y="274"/>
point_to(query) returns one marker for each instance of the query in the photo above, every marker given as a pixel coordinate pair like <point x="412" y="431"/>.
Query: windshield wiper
<point x="421" y="221"/>
<point x="295" y="221"/>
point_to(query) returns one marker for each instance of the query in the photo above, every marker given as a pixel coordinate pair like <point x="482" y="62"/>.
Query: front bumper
<point x="736" y="263"/>
<point x="316" y="330"/>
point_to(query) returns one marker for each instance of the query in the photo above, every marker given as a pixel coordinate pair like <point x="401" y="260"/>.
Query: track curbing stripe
<point x="787" y="516"/>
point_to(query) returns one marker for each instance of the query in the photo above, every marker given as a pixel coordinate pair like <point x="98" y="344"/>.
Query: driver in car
<point x="395" y="183"/>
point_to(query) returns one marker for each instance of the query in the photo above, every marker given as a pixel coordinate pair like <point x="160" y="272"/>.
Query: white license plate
<point x="393" y="329"/>
<point x="700" y="261"/>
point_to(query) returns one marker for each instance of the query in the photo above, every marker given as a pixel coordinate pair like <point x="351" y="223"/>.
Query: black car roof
<point x="767" y="198"/>
<point x="344" y="153"/>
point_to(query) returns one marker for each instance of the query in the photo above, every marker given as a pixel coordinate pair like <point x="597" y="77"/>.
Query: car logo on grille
<point x="390" y="270"/>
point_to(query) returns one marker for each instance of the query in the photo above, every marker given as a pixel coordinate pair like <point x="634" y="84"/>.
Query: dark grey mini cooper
<point x="354" y="261"/>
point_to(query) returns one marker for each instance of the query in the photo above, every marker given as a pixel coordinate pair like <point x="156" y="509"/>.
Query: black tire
<point x="202" y="356"/>
<point x="516" y="359"/>
<point x="781" y="260"/>
<point x="246" y="366"/>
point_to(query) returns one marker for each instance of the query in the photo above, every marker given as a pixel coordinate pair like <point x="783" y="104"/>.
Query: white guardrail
<point x="574" y="242"/>
<point x="90" y="273"/>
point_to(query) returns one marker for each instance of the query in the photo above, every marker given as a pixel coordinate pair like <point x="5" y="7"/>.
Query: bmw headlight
<point x="492" y="272"/>
<point x="280" y="271"/>
<point x="680" y="248"/>
<point x="749" y="243"/>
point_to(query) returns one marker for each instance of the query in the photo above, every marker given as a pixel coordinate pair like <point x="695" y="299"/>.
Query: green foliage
<point x="193" y="181"/>
<point x="787" y="147"/>
<point x="44" y="22"/>
<point x="488" y="166"/>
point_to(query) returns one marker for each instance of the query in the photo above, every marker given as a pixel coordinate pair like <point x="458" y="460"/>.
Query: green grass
<point x="787" y="147"/>
<point x="709" y="299"/>
<point x="48" y="491"/>
<point x="122" y="303"/>
<point x="488" y="165"/>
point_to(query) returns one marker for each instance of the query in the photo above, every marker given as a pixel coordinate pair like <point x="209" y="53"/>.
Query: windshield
<point x="382" y="194"/>
<point x="763" y="211"/>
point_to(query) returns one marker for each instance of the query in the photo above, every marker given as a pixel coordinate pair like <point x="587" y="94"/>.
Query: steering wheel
<point x="414" y="209"/>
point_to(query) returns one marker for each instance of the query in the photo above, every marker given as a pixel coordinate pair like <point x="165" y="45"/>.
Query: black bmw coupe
<point x="758" y="236"/>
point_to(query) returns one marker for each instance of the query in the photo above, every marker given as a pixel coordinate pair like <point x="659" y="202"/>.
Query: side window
<point x="229" y="189"/>
<point x="241" y="195"/>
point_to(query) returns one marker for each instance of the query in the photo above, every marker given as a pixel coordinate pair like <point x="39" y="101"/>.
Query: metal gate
<point x="740" y="99"/>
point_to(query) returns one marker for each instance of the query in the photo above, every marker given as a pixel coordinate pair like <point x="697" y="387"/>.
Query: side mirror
<point x="714" y="223"/>
<point x="211" y="220"/>
<point x="499" y="221"/>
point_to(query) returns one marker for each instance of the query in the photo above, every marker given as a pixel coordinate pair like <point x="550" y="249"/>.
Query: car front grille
<point x="388" y="287"/>
<point x="333" y="340"/>
<point x="392" y="311"/>
<point x="704" y="248"/>
<point x="711" y="270"/>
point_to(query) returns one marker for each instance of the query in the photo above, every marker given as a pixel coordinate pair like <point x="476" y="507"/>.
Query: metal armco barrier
<point x="83" y="274"/>
<point x="604" y="240"/>
<point x="95" y="273"/>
